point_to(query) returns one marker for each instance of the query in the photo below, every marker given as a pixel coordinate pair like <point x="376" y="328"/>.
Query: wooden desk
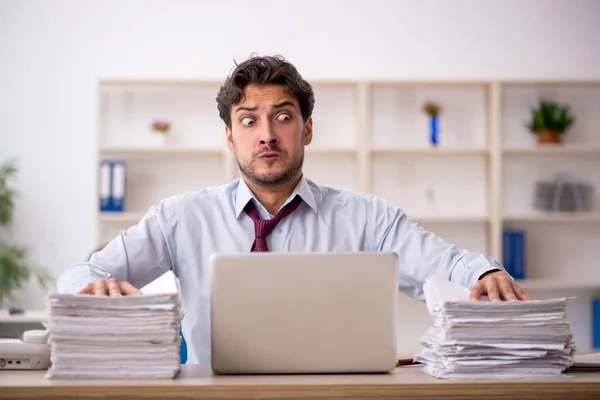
<point x="198" y="382"/>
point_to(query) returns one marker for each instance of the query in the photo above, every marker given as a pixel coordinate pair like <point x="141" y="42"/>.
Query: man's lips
<point x="270" y="154"/>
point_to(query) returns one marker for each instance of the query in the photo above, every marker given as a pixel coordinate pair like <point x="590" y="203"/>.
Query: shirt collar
<point x="243" y="195"/>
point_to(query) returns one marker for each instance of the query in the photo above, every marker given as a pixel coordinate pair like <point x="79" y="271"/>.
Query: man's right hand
<point x="111" y="287"/>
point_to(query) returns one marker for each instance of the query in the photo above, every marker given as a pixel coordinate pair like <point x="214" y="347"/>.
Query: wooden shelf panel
<point x="558" y="284"/>
<point x="450" y="219"/>
<point x="555" y="217"/>
<point x="136" y="216"/>
<point x="132" y="153"/>
<point x="554" y="149"/>
<point x="330" y="150"/>
<point x="429" y="151"/>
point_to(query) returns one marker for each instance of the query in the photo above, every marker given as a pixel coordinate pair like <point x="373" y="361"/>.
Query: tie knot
<point x="264" y="227"/>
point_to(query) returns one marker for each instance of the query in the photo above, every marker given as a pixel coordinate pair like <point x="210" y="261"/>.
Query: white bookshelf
<point x="372" y="137"/>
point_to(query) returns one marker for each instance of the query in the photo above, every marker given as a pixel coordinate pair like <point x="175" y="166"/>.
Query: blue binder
<point x="513" y="253"/>
<point x="182" y="349"/>
<point x="596" y="323"/>
<point x="113" y="176"/>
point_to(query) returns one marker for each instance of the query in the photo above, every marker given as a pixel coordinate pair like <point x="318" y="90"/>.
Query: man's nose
<point x="268" y="135"/>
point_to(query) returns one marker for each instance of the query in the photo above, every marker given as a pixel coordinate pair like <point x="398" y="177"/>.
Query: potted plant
<point x="549" y="121"/>
<point x="15" y="266"/>
<point x="160" y="131"/>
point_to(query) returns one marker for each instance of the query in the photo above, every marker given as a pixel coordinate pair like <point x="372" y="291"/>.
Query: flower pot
<point x="157" y="139"/>
<point x="546" y="136"/>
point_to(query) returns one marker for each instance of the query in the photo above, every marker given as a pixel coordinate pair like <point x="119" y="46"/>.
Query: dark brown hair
<point x="264" y="71"/>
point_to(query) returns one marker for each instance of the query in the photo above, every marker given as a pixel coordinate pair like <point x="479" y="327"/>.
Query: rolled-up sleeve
<point x="421" y="253"/>
<point x="138" y="255"/>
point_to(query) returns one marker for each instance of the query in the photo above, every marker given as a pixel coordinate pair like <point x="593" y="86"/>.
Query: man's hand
<point x="111" y="287"/>
<point x="497" y="286"/>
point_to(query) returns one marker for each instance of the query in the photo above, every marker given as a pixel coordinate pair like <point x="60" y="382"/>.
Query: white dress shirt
<point x="181" y="233"/>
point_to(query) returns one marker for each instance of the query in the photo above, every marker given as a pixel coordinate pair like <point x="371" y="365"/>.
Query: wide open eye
<point x="247" y="121"/>
<point x="283" y="117"/>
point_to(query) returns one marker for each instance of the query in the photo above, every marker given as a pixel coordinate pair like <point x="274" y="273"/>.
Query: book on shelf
<point x="513" y="253"/>
<point x="596" y="323"/>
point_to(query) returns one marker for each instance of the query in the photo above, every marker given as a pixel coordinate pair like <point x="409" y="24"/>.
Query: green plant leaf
<point x="549" y="115"/>
<point x="7" y="171"/>
<point x="15" y="265"/>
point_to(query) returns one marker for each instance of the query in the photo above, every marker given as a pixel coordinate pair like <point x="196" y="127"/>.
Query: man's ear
<point x="308" y="131"/>
<point x="228" y="135"/>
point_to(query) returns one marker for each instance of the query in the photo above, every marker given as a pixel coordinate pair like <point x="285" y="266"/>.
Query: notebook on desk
<point x="303" y="312"/>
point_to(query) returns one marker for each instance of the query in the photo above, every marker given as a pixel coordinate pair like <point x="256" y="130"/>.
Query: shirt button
<point x="279" y="230"/>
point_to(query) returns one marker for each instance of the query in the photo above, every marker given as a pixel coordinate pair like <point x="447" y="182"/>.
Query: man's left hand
<point x="498" y="286"/>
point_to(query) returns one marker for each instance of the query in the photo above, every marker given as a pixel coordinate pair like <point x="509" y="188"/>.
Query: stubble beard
<point x="293" y="169"/>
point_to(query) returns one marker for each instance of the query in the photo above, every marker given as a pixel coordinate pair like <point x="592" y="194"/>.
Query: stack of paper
<point x="116" y="337"/>
<point x="492" y="340"/>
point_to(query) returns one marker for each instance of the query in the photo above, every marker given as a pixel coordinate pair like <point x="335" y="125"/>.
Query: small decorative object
<point x="430" y="195"/>
<point x="15" y="266"/>
<point x="160" y="131"/>
<point x="563" y="194"/>
<point x="549" y="121"/>
<point x="433" y="110"/>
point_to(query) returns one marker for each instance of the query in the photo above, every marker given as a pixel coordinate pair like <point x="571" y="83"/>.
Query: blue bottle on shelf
<point x="434" y="130"/>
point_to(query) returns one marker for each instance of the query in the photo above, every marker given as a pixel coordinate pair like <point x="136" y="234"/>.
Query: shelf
<point x="552" y="149"/>
<point x="449" y="218"/>
<point x="555" y="217"/>
<point x="122" y="217"/>
<point x="330" y="151"/>
<point x="429" y="151"/>
<point x="134" y="82"/>
<point x="133" y="153"/>
<point x="135" y="217"/>
<point x="557" y="284"/>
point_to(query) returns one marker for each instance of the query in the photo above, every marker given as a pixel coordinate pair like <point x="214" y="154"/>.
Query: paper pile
<point x="116" y="337"/>
<point x="493" y="340"/>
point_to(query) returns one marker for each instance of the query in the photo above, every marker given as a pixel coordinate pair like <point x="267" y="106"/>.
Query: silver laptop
<point x="278" y="313"/>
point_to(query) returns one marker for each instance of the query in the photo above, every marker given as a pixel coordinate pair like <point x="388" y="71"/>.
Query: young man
<point x="267" y="107"/>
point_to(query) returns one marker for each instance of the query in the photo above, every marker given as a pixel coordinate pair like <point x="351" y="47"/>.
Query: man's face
<point x="268" y="135"/>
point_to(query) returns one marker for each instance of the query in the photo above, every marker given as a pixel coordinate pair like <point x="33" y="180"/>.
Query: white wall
<point x="53" y="52"/>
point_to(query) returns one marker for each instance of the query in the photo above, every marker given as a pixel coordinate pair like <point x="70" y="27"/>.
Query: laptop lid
<point x="303" y="312"/>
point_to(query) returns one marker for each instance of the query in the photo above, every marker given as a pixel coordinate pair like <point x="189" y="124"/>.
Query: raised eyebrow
<point x="246" y="109"/>
<point x="283" y="104"/>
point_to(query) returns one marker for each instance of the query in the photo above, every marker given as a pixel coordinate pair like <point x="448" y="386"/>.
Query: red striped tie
<point x="262" y="228"/>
